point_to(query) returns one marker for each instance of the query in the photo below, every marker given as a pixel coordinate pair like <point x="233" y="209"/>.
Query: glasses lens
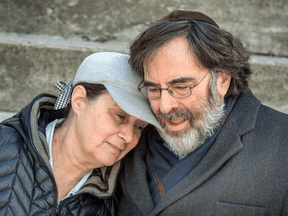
<point x="151" y="92"/>
<point x="179" y="90"/>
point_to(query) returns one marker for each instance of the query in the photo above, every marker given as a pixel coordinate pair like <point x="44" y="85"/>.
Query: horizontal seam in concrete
<point x="60" y="43"/>
<point x="269" y="60"/>
<point x="55" y="42"/>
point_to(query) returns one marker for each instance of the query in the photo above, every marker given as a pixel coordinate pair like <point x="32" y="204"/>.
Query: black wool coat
<point x="27" y="183"/>
<point x="244" y="173"/>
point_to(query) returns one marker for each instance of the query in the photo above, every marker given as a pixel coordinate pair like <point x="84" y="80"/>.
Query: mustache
<point x="173" y="115"/>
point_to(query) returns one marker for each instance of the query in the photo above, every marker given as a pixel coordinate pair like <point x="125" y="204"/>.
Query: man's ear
<point x="78" y="98"/>
<point x="223" y="83"/>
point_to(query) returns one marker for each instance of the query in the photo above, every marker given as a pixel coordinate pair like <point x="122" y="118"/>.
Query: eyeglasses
<point x="177" y="90"/>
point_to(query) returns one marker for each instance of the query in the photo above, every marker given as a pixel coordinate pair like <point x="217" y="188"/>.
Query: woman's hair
<point x="93" y="91"/>
<point x="213" y="48"/>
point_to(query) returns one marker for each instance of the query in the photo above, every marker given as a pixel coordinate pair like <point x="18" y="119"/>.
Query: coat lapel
<point x="136" y="179"/>
<point x="228" y="142"/>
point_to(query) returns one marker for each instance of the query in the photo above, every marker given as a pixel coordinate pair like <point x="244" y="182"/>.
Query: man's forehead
<point x="178" y="77"/>
<point x="172" y="48"/>
<point x="173" y="62"/>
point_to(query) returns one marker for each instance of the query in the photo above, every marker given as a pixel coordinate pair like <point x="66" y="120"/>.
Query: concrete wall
<point x="261" y="24"/>
<point x="269" y="81"/>
<point x="29" y="67"/>
<point x="42" y="42"/>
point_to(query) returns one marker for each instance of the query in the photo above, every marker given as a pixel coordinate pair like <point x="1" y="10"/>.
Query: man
<point x="220" y="152"/>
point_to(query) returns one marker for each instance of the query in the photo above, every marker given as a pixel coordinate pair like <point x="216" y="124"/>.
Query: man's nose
<point x="167" y="102"/>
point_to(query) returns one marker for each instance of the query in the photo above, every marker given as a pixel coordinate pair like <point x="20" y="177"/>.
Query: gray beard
<point x="207" y="117"/>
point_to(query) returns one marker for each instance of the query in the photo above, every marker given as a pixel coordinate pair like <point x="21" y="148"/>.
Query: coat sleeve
<point x="15" y="175"/>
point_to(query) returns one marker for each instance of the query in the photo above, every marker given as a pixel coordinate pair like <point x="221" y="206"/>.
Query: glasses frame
<point x="190" y="87"/>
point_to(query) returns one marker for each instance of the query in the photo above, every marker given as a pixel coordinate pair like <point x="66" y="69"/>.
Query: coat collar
<point x="243" y="116"/>
<point x="135" y="178"/>
<point x="241" y="120"/>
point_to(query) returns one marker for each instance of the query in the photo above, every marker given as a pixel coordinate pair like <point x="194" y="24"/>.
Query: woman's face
<point x="105" y="132"/>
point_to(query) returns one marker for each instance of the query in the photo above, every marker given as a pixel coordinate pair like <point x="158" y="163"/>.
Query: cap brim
<point x="133" y="105"/>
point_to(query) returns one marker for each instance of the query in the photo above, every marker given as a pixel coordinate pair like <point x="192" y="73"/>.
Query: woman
<point x="62" y="157"/>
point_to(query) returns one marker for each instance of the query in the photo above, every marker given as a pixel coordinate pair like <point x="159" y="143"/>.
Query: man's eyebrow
<point x="174" y="81"/>
<point x="149" y="83"/>
<point x="181" y="80"/>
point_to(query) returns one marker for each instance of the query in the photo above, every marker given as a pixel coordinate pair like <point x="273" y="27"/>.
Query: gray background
<point x="42" y="42"/>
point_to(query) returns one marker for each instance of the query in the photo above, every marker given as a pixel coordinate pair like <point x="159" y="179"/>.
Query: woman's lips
<point x="116" y="147"/>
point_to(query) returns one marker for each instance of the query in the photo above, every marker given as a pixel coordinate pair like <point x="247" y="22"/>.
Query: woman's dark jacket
<point x="27" y="183"/>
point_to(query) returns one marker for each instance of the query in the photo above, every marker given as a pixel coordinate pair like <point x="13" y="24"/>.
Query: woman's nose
<point x="127" y="133"/>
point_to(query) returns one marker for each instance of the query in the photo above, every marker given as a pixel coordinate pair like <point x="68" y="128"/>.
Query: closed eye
<point x="121" y="117"/>
<point x="153" y="89"/>
<point x="179" y="87"/>
<point x="139" y="127"/>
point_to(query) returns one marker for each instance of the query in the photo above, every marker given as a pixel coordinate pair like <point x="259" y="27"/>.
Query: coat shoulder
<point x="273" y="122"/>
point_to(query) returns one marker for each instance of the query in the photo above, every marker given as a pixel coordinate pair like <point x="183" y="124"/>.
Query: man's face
<point x="183" y="119"/>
